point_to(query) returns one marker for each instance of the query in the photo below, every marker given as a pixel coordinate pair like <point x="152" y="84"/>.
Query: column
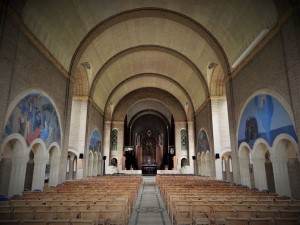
<point x="38" y="179"/>
<point x="53" y="177"/>
<point x="260" y="173"/>
<point x="281" y="176"/>
<point x="17" y="176"/>
<point x="245" y="175"/>
<point x="191" y="146"/>
<point x="106" y="142"/>
<point x="119" y="125"/>
<point x="71" y="167"/>
<point x="179" y="153"/>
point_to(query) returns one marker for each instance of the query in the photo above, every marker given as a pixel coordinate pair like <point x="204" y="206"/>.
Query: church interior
<point x="116" y="112"/>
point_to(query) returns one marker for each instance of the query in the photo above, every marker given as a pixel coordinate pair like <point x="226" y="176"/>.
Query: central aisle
<point x="149" y="208"/>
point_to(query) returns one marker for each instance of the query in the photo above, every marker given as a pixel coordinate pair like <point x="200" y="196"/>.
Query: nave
<point x="141" y="200"/>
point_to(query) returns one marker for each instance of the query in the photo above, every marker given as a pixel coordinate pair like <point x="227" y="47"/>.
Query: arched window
<point x="114" y="139"/>
<point x="183" y="139"/>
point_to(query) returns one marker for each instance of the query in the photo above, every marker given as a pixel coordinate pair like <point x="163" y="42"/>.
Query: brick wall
<point x="24" y="68"/>
<point x="275" y="68"/>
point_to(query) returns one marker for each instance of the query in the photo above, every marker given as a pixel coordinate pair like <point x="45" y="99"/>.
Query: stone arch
<point x="13" y="159"/>
<point x="286" y="166"/>
<point x="54" y="164"/>
<point x="38" y="158"/>
<point x="276" y="102"/>
<point x="245" y="167"/>
<point x="217" y="83"/>
<point x="81" y="82"/>
<point x="262" y="166"/>
<point x="227" y="166"/>
<point x="25" y="93"/>
<point x="150" y="12"/>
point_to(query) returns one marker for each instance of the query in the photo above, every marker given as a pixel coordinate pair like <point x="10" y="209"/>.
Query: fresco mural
<point x="34" y="117"/>
<point x="95" y="143"/>
<point x="203" y="144"/>
<point x="264" y="117"/>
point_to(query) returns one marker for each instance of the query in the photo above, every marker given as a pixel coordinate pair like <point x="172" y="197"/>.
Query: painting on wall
<point x="95" y="143"/>
<point x="34" y="117"/>
<point x="203" y="144"/>
<point x="264" y="117"/>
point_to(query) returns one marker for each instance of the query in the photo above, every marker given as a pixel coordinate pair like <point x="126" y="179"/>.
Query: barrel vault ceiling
<point x="112" y="48"/>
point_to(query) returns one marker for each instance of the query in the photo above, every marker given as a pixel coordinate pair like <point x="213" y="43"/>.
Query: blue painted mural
<point x="264" y="117"/>
<point x="34" y="117"/>
<point x="203" y="144"/>
<point x="95" y="143"/>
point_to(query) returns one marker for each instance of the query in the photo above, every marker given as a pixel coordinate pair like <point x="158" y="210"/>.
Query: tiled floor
<point x="149" y="208"/>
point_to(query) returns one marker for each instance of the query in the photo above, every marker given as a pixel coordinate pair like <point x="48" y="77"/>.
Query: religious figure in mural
<point x="264" y="117"/>
<point x="203" y="141"/>
<point x="251" y="132"/>
<point x="264" y="105"/>
<point x="34" y="117"/>
<point x="95" y="143"/>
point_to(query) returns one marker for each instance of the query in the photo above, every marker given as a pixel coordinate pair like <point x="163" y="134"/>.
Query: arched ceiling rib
<point x="137" y="44"/>
<point x="132" y="98"/>
<point x="150" y="60"/>
<point x="151" y="31"/>
<point x="145" y="105"/>
<point x="150" y="81"/>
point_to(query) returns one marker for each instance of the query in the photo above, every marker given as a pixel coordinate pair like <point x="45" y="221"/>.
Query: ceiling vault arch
<point x="152" y="75"/>
<point x="149" y="48"/>
<point x="150" y="12"/>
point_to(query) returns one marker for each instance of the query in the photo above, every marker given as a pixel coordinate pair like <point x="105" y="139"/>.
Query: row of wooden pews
<point x="202" y="200"/>
<point x="102" y="200"/>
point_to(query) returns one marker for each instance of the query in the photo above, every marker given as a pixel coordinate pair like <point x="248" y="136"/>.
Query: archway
<point x="36" y="166"/>
<point x="286" y="166"/>
<point x="227" y="167"/>
<point x="13" y="165"/>
<point x="262" y="166"/>
<point x="244" y="160"/>
<point x="54" y="155"/>
<point x="5" y="168"/>
<point x="29" y="172"/>
<point x="71" y="165"/>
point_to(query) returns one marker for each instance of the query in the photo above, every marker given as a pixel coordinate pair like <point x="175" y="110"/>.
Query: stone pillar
<point x="38" y="178"/>
<point x="119" y="125"/>
<point x="260" y="173"/>
<point x="17" y="176"/>
<point x="227" y="169"/>
<point x="95" y="165"/>
<point x="245" y="175"/>
<point x="191" y="146"/>
<point x="106" y="143"/>
<point x="281" y="176"/>
<point x="179" y="153"/>
<point x="71" y="168"/>
<point x="53" y="176"/>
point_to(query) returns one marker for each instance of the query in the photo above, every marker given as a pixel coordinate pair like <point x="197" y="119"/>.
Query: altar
<point x="149" y="169"/>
